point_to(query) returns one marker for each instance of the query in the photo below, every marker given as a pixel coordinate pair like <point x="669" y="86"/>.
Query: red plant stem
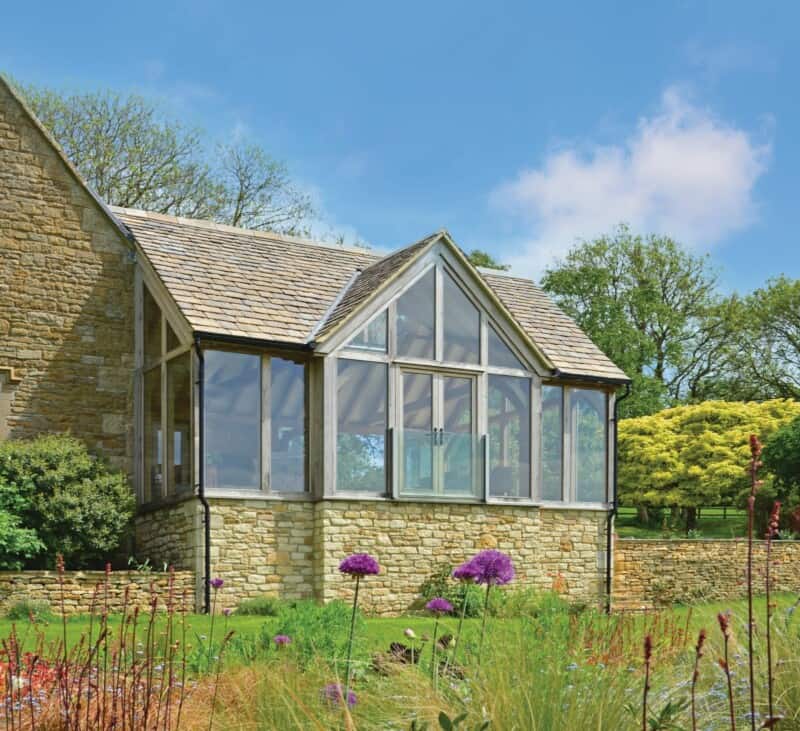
<point x="769" y="619"/>
<point x="755" y="447"/>
<point x="648" y="649"/>
<point x="698" y="653"/>
<point x="724" y="625"/>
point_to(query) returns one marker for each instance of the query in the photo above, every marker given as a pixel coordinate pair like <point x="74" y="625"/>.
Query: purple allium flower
<point x="492" y="567"/>
<point x="227" y="612"/>
<point x="334" y="693"/>
<point x="439" y="606"/>
<point x="281" y="640"/>
<point x="359" y="564"/>
<point x="465" y="572"/>
<point x="216" y="583"/>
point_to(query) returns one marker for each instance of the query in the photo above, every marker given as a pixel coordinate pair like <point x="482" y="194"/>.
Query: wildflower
<point x="439" y="606"/>
<point x="410" y="634"/>
<point x="227" y="611"/>
<point x="359" y="564"/>
<point x="216" y="583"/>
<point x="282" y="640"/>
<point x="334" y="694"/>
<point x="466" y="572"/>
<point x="493" y="568"/>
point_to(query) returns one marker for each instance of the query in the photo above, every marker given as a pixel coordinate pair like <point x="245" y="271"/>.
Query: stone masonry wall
<point x="80" y="588"/>
<point x="292" y="549"/>
<point x="650" y="573"/>
<point x="263" y="547"/>
<point x="410" y="540"/>
<point x="66" y="299"/>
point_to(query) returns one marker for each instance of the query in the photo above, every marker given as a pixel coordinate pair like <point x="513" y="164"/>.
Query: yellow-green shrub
<point x="694" y="455"/>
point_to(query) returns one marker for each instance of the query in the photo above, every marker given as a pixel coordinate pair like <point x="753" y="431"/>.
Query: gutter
<point x="613" y="512"/>
<point x="201" y="488"/>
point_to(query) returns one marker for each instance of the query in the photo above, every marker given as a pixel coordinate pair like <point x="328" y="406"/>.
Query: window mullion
<point x="438" y="321"/>
<point x="266" y="424"/>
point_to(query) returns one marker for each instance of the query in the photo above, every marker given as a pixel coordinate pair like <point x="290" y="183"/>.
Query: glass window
<point x="151" y="315"/>
<point x="373" y="336"/>
<point x="418" y="437"/>
<point x="232" y="405"/>
<point x="552" y="445"/>
<point x="361" y="420"/>
<point x="589" y="415"/>
<point x="509" y="436"/>
<point x="153" y="477"/>
<point x="415" y="319"/>
<point x="179" y="419"/>
<point x="500" y="355"/>
<point x="287" y="426"/>
<point x="461" y="336"/>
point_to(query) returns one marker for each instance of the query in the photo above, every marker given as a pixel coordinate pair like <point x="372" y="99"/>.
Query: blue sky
<point x="519" y="126"/>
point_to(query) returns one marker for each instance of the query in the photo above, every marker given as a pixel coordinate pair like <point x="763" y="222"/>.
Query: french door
<point x="437" y="429"/>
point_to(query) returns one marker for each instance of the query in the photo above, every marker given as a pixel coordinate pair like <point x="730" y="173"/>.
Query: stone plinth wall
<point x="66" y="300"/>
<point x="292" y="549"/>
<point x="411" y="540"/>
<point x="80" y="587"/>
<point x="650" y="573"/>
<point x="263" y="547"/>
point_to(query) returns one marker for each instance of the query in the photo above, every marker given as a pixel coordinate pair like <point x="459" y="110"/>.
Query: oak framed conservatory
<point x="415" y="386"/>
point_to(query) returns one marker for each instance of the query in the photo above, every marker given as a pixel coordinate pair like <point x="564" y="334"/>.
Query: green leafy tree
<point x="651" y="307"/>
<point x="781" y="459"/>
<point x="70" y="501"/>
<point x="763" y="361"/>
<point x="133" y="156"/>
<point x="484" y="259"/>
<point x="694" y="455"/>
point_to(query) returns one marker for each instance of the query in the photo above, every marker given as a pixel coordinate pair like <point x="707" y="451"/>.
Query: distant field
<point x="712" y="523"/>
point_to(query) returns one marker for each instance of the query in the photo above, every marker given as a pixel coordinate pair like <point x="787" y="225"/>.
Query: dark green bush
<point x="260" y="606"/>
<point x="72" y="501"/>
<point x="25" y="609"/>
<point x="17" y="544"/>
<point x="441" y="583"/>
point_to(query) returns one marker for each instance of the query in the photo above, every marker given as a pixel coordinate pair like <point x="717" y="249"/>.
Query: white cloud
<point x="682" y="172"/>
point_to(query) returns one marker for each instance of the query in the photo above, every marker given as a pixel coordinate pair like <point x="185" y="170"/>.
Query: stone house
<point x="280" y="403"/>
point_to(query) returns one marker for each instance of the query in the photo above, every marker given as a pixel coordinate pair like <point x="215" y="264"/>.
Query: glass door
<point x="417" y="433"/>
<point x="438" y="443"/>
<point x="457" y="435"/>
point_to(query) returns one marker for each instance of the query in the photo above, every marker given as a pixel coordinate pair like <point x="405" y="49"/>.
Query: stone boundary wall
<point x="658" y="572"/>
<point x="80" y="586"/>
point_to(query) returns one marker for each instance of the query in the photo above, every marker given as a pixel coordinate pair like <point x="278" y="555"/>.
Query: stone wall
<point x="410" y="540"/>
<point x="654" y="572"/>
<point x="292" y="549"/>
<point x="263" y="547"/>
<point x="80" y="589"/>
<point x="66" y="299"/>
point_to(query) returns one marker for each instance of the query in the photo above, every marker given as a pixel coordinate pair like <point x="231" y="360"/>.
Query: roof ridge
<point x="225" y="227"/>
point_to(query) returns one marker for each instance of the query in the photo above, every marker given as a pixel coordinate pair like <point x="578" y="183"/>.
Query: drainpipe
<point x="201" y="487"/>
<point x="613" y="512"/>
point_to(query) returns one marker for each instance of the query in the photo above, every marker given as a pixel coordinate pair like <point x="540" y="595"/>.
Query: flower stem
<point x="452" y="660"/>
<point x="434" y="674"/>
<point x="350" y="641"/>
<point x="483" y="621"/>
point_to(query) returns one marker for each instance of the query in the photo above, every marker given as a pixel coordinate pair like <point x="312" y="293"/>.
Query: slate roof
<point x="254" y="284"/>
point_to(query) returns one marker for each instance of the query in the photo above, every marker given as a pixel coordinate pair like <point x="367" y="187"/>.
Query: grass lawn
<point x="711" y="524"/>
<point x="378" y="631"/>
<point x="548" y="671"/>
